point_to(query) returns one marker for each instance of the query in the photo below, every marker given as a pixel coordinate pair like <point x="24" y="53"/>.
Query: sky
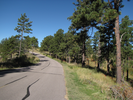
<point x="47" y="15"/>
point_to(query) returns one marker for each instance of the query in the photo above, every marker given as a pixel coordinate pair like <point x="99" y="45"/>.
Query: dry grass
<point x="97" y="83"/>
<point x="100" y="78"/>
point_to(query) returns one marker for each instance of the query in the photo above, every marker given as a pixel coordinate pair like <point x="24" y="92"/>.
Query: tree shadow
<point x="23" y="64"/>
<point x="130" y="81"/>
<point x="43" y="60"/>
<point x="35" y="54"/>
<point x="22" y="69"/>
<point x="41" y="56"/>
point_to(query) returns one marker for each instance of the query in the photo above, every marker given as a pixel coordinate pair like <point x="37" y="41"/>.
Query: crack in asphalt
<point x="16" y="80"/>
<point x="28" y="91"/>
<point x="46" y="66"/>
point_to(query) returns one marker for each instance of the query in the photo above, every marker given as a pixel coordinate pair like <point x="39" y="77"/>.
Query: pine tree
<point x="90" y="13"/>
<point x="34" y="43"/>
<point x="126" y="32"/>
<point x="95" y="46"/>
<point x="89" y="48"/>
<point x="55" y="43"/>
<point x="27" y="43"/>
<point x="23" y="27"/>
<point x="9" y="46"/>
<point x="45" y="44"/>
<point x="87" y="15"/>
<point x="58" y="40"/>
<point x="115" y="5"/>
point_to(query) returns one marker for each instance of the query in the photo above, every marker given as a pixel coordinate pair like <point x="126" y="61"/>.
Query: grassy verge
<point x="86" y="84"/>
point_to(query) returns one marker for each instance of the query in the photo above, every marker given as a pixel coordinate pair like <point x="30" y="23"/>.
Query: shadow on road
<point x="21" y="64"/>
<point x="41" y="56"/>
<point x="43" y="60"/>
<point x="22" y="69"/>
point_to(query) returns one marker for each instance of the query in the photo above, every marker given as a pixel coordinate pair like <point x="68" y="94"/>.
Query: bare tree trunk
<point x="69" y="58"/>
<point x="118" y="51"/>
<point x="99" y="54"/>
<point x="20" y="43"/>
<point x="75" y="60"/>
<point x="127" y="68"/>
<point x="123" y="63"/>
<point x="56" y="56"/>
<point x="108" y="68"/>
<point x="127" y="74"/>
<point x="83" y="55"/>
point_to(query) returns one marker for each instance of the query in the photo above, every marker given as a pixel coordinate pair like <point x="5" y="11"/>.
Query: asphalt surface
<point x="43" y="81"/>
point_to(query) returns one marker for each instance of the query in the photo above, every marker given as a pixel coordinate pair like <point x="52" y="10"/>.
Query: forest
<point x="111" y="43"/>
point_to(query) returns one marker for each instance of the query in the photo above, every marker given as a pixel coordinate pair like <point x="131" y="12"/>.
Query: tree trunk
<point x="127" y="74"/>
<point x="75" y="60"/>
<point x="123" y="76"/>
<point x="83" y="54"/>
<point x="127" y="68"/>
<point x="99" y="54"/>
<point x="20" y="43"/>
<point x="118" y="51"/>
<point x="69" y="58"/>
<point x="32" y="50"/>
<point x="66" y="58"/>
<point x="108" y="69"/>
<point x="56" y="56"/>
<point x="11" y="56"/>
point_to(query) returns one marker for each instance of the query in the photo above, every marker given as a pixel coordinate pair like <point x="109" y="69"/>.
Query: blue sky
<point x="47" y="15"/>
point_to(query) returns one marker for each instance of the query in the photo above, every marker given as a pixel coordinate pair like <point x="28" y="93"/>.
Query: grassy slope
<point x="86" y="84"/>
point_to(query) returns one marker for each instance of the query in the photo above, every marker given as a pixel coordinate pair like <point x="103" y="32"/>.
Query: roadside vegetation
<point x="24" y="60"/>
<point x="14" y="51"/>
<point x="88" y="84"/>
<point x="107" y="52"/>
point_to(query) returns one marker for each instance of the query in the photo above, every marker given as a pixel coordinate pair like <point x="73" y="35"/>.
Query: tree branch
<point x="110" y="4"/>
<point x="122" y="36"/>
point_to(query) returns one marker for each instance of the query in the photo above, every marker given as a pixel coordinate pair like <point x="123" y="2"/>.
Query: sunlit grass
<point x="86" y="84"/>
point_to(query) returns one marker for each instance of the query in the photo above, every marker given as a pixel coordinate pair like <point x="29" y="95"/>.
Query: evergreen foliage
<point x="45" y="44"/>
<point x="23" y="27"/>
<point x="8" y="47"/>
<point x="126" y="31"/>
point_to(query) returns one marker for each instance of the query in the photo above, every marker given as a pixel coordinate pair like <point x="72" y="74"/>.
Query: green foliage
<point x="95" y="42"/>
<point x="126" y="31"/>
<point x="89" y="46"/>
<point x="45" y="44"/>
<point x="23" y="24"/>
<point x="55" y="43"/>
<point x="34" y="42"/>
<point x="27" y="42"/>
<point x="8" y="47"/>
<point x="23" y="27"/>
<point x="22" y="61"/>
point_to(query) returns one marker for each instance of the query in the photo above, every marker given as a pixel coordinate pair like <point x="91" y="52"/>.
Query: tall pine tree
<point x="23" y="27"/>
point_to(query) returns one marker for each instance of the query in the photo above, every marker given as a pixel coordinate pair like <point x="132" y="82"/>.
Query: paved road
<point x="43" y="81"/>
